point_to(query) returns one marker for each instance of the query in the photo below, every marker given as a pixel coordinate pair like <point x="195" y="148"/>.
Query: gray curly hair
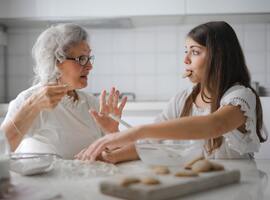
<point x="51" y="46"/>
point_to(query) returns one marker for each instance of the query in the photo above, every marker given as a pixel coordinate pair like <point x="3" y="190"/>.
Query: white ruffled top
<point x="235" y="143"/>
<point x="64" y="130"/>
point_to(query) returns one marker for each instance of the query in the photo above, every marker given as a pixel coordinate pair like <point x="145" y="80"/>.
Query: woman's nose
<point x="88" y="66"/>
<point x="187" y="59"/>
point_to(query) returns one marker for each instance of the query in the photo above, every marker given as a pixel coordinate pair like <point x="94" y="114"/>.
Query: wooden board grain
<point x="170" y="186"/>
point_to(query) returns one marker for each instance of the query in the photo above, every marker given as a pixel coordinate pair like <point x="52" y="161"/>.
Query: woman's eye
<point x="185" y="51"/>
<point x="194" y="52"/>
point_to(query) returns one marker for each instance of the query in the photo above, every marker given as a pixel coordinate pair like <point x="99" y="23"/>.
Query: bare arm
<point x="196" y="127"/>
<point x="46" y="98"/>
<point x="23" y="120"/>
<point x="216" y="124"/>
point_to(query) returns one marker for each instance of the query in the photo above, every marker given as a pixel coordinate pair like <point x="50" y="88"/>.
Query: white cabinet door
<point x="68" y="9"/>
<point x="227" y="6"/>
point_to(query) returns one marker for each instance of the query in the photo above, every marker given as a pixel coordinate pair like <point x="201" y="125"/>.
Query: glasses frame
<point x="77" y="59"/>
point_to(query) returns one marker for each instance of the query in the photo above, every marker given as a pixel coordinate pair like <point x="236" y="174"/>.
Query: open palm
<point x="107" y="124"/>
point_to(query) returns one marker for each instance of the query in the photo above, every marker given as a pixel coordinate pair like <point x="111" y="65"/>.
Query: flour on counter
<point x="82" y="169"/>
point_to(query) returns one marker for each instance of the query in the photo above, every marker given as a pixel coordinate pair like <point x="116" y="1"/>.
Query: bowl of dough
<point x="168" y="152"/>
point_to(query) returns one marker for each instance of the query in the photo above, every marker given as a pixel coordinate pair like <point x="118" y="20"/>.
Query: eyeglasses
<point x="83" y="60"/>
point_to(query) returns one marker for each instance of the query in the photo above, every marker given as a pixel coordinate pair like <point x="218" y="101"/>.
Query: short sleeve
<point x="174" y="107"/>
<point x="246" y="99"/>
<point x="14" y="106"/>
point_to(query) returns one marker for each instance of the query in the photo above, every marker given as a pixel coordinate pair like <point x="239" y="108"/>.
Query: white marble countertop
<point x="254" y="184"/>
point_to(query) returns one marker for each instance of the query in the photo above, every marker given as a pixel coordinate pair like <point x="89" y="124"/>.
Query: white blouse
<point x="235" y="144"/>
<point x="64" y="130"/>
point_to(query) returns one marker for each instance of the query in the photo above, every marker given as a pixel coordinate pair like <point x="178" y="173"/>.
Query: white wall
<point x="147" y="61"/>
<point x="2" y="74"/>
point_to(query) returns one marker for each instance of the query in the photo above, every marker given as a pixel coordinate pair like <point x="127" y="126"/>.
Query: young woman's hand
<point x="108" y="143"/>
<point x="48" y="96"/>
<point x="125" y="153"/>
<point x="107" y="124"/>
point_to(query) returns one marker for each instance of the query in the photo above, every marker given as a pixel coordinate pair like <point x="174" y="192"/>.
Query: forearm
<point x="196" y="127"/>
<point x="16" y="127"/>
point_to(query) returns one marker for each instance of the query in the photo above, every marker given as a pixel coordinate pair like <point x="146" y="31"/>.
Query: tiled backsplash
<point x="147" y="61"/>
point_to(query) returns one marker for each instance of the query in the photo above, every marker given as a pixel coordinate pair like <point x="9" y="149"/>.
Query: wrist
<point x="32" y="105"/>
<point x="110" y="131"/>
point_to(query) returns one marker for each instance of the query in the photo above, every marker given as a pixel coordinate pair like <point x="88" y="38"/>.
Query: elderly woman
<point x="53" y="116"/>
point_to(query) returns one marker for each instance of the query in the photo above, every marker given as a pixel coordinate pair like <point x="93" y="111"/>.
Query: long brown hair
<point x="225" y="67"/>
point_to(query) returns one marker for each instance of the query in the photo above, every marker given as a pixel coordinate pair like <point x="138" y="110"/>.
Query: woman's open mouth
<point x="187" y="73"/>
<point x="83" y="76"/>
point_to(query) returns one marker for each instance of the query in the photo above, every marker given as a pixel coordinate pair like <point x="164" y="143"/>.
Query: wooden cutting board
<point x="170" y="186"/>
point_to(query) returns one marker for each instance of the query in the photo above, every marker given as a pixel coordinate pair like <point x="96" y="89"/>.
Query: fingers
<point x="97" y="149"/>
<point x="79" y="155"/>
<point x="102" y="100"/>
<point x="59" y="89"/>
<point x="111" y="99"/>
<point x="111" y="105"/>
<point x="54" y="90"/>
<point x="50" y="95"/>
<point x="110" y="157"/>
<point x="115" y="99"/>
<point x="94" y="150"/>
<point x="95" y="115"/>
<point x="122" y="105"/>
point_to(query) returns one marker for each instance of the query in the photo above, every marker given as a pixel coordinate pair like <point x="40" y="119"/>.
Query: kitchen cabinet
<point x="137" y="11"/>
<point x="227" y="6"/>
<point x="80" y="9"/>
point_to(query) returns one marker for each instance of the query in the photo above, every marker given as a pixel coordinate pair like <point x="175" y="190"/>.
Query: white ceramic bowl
<point x="167" y="152"/>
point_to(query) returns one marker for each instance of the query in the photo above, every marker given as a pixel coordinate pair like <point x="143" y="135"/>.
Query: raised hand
<point x="49" y="96"/>
<point x="108" y="106"/>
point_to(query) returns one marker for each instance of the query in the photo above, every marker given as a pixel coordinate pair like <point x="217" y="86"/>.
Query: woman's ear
<point x="59" y="64"/>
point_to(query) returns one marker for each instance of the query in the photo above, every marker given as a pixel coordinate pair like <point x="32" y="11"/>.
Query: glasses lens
<point x="83" y="60"/>
<point x="91" y="59"/>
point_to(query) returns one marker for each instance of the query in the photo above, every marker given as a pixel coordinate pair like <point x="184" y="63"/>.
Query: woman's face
<point x="195" y="60"/>
<point x="71" y="72"/>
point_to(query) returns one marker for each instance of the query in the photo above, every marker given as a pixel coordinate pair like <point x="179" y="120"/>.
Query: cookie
<point x="189" y="164"/>
<point x="161" y="170"/>
<point x="217" y="166"/>
<point x="150" y="181"/>
<point x="128" y="181"/>
<point x="202" y="166"/>
<point x="186" y="173"/>
<point x="186" y="74"/>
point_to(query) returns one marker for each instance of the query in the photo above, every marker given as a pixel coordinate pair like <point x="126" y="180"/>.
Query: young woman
<point x="222" y="108"/>
<point x="52" y="116"/>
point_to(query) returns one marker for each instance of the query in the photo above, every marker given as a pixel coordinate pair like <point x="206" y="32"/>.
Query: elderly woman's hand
<point x="48" y="96"/>
<point x="107" y="124"/>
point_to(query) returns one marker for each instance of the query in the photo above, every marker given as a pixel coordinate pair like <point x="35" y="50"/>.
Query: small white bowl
<point x="168" y="152"/>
